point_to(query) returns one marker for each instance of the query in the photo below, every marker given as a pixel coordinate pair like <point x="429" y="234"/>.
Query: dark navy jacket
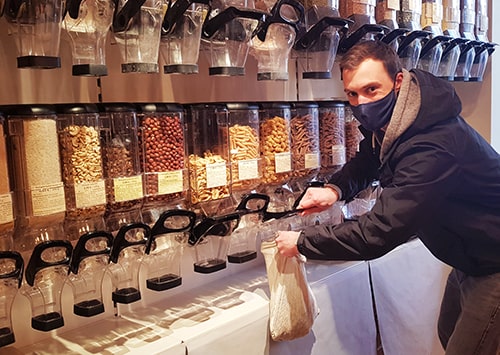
<point x="441" y="182"/>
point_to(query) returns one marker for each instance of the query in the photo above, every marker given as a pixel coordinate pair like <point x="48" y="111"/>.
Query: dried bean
<point x="162" y="142"/>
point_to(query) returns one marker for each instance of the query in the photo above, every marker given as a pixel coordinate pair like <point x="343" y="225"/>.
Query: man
<point x="441" y="182"/>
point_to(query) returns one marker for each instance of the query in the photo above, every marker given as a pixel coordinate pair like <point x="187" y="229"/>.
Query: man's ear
<point x="398" y="81"/>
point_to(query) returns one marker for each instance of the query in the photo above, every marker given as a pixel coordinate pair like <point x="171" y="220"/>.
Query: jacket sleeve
<point x="422" y="179"/>
<point x="360" y="171"/>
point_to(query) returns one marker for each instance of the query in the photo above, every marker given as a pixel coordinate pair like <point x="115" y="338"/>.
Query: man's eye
<point x="351" y="94"/>
<point x="372" y="89"/>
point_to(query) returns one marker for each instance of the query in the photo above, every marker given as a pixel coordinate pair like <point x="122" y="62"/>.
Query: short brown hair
<point x="375" y="50"/>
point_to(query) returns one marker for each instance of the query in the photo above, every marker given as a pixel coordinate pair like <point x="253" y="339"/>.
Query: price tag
<point x="170" y="182"/>
<point x="216" y="175"/>
<point x="128" y="188"/>
<point x="48" y="199"/>
<point x="89" y="194"/>
<point x="283" y="162"/>
<point x="248" y="169"/>
<point x="6" y="213"/>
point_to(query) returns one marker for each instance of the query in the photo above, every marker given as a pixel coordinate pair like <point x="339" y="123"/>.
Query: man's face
<point x="368" y="82"/>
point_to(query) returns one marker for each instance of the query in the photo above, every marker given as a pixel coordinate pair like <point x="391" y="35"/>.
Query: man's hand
<point x="317" y="199"/>
<point x="286" y="242"/>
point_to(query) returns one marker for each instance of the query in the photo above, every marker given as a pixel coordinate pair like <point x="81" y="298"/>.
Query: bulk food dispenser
<point x="87" y="24"/>
<point x="79" y="128"/>
<point x="244" y="146"/>
<point x="127" y="253"/>
<point x="467" y="18"/>
<point x="209" y="162"/>
<point x="36" y="174"/>
<point x="36" y="26"/>
<point x="304" y="138"/>
<point x="246" y="174"/>
<point x="226" y="39"/>
<point x="165" y="247"/>
<point x="11" y="277"/>
<point x="210" y="242"/>
<point x="46" y="274"/>
<point x="316" y="49"/>
<point x="411" y="44"/>
<point x="163" y="158"/>
<point x="331" y="137"/>
<point x="136" y="29"/>
<point x="6" y="206"/>
<point x="386" y="13"/>
<point x="121" y="163"/>
<point x="275" y="38"/>
<point x="276" y="154"/>
<point x="481" y="24"/>
<point x="451" y="18"/>
<point x="181" y="35"/>
<point x="88" y="264"/>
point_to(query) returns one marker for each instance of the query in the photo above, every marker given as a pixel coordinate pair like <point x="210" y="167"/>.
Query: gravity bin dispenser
<point x="164" y="249"/>
<point x="36" y="26"/>
<point x="226" y="39"/>
<point x="181" y="35"/>
<point x="275" y="38"/>
<point x="87" y="24"/>
<point x="88" y="266"/>
<point x="11" y="276"/>
<point x="46" y="273"/>
<point x="317" y="48"/>
<point x="125" y="260"/>
<point x="137" y="28"/>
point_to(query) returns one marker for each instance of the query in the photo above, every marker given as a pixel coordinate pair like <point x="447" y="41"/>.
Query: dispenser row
<point x="447" y="38"/>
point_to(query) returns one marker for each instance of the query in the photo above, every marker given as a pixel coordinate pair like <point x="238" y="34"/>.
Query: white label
<point x="393" y="4"/>
<point x="283" y="162"/>
<point x="89" y="194"/>
<point x="311" y="160"/>
<point x="48" y="199"/>
<point x="170" y="182"/>
<point x="437" y="13"/>
<point x="6" y="213"/>
<point x="338" y="154"/>
<point x="216" y="175"/>
<point x="128" y="188"/>
<point x="248" y="169"/>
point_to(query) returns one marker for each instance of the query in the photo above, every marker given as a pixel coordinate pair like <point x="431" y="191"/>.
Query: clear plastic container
<point x="87" y="24"/>
<point x="353" y="135"/>
<point x="121" y="162"/>
<point x="244" y="145"/>
<point x="137" y="32"/>
<point x="7" y="215"/>
<point x="36" y="174"/>
<point x="360" y="11"/>
<point x="386" y="13"/>
<point x="467" y="18"/>
<point x="304" y="134"/>
<point x="332" y="136"/>
<point x="432" y="16"/>
<point x="482" y="21"/>
<point x="275" y="145"/>
<point x="409" y="14"/>
<point x="36" y="27"/>
<point x="163" y="151"/>
<point x="451" y="17"/>
<point x="79" y="127"/>
<point x="209" y="168"/>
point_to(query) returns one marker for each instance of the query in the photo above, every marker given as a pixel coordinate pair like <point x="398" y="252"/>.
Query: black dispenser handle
<point x="120" y="242"/>
<point x="211" y="26"/>
<point x="175" y="12"/>
<point x="36" y="262"/>
<point x="81" y="251"/>
<point x="121" y="18"/>
<point x="278" y="17"/>
<point x="313" y="35"/>
<point x="159" y="227"/>
<point x="17" y="273"/>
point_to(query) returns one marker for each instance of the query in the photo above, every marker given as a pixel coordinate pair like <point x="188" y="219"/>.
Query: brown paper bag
<point x="292" y="308"/>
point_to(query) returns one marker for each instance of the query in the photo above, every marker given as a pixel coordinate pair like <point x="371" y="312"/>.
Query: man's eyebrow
<point x="367" y="85"/>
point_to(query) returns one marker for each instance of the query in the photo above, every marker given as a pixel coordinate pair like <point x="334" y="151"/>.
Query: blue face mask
<point x="375" y="115"/>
